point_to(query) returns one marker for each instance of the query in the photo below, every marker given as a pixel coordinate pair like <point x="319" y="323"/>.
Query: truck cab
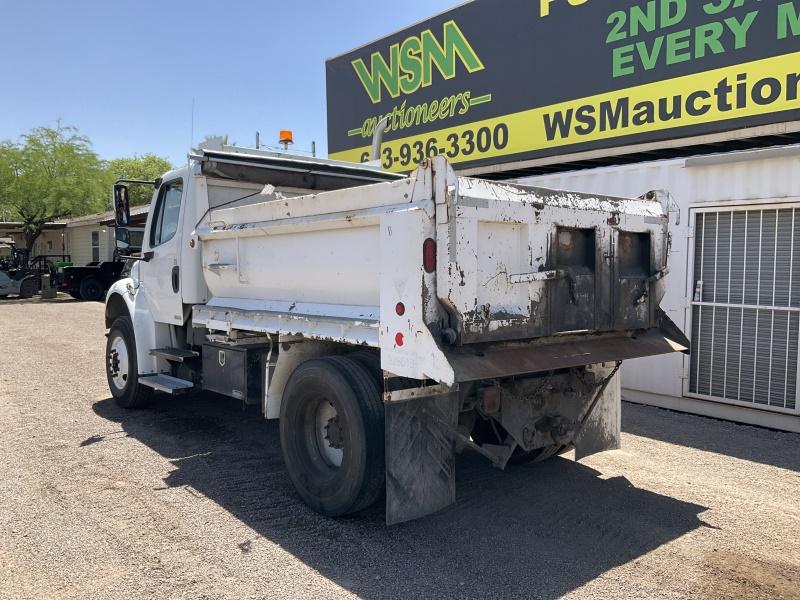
<point x="391" y="321"/>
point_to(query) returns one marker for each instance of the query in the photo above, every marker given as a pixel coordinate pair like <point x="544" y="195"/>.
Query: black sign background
<point x="533" y="61"/>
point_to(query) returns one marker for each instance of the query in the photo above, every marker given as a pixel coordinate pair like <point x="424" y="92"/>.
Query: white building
<point x="91" y="238"/>
<point x="84" y="240"/>
<point x="734" y="285"/>
<point x="52" y="241"/>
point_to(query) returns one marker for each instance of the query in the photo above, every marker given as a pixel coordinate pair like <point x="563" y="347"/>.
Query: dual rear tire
<point x="331" y="424"/>
<point x="332" y="435"/>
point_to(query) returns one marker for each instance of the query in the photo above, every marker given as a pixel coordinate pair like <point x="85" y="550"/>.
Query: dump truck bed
<point x="514" y="267"/>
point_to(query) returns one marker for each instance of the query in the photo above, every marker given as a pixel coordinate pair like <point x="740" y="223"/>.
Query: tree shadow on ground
<point x="539" y="531"/>
<point x="757" y="444"/>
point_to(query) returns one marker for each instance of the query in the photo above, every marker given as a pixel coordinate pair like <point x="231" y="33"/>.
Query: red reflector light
<point x="400" y="309"/>
<point x="429" y="255"/>
<point x="398" y="339"/>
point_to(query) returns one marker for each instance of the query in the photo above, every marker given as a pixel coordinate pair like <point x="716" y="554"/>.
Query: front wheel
<point x="121" y="366"/>
<point x="332" y="435"/>
<point x="28" y="287"/>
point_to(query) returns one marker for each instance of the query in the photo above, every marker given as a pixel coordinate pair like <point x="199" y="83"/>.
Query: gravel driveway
<point x="190" y="499"/>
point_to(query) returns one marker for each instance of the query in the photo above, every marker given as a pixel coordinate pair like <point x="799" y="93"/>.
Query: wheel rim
<point x="118" y="363"/>
<point x="329" y="434"/>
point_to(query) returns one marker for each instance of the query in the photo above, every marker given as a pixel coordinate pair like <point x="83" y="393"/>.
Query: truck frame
<point x="390" y="321"/>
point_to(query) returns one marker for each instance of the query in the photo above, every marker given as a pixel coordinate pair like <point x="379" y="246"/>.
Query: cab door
<point x="160" y="272"/>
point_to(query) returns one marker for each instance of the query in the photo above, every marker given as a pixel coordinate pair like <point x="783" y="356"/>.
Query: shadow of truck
<point x="536" y="531"/>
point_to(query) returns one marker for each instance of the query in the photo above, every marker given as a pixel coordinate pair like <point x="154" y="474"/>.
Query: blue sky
<point x="125" y="72"/>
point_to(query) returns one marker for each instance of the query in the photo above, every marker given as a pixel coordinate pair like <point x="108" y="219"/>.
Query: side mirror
<point x="122" y="209"/>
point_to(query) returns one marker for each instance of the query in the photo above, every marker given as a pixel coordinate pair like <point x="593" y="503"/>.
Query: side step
<point x="166" y="383"/>
<point x="174" y="354"/>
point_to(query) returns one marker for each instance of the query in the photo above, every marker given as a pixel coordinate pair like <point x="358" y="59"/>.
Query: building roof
<point x="17" y="225"/>
<point x="107" y="218"/>
<point x="138" y="218"/>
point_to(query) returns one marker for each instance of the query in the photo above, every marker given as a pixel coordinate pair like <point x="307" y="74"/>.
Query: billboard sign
<point x="495" y="82"/>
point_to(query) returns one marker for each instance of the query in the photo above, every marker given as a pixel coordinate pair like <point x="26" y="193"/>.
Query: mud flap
<point x="602" y="429"/>
<point x="420" y="456"/>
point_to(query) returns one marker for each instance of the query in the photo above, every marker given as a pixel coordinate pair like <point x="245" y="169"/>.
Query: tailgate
<point x="517" y="262"/>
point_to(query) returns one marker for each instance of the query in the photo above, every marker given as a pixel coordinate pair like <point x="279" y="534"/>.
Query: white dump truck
<point x="390" y="321"/>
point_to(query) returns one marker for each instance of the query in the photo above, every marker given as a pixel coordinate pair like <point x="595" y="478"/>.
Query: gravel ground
<point x="190" y="500"/>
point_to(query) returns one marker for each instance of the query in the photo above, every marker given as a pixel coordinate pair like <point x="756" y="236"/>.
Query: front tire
<point x="332" y="435"/>
<point x="122" y="368"/>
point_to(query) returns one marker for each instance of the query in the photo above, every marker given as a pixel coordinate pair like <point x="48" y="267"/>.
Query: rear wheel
<point x="332" y="435"/>
<point x="121" y="366"/>
<point x="91" y="289"/>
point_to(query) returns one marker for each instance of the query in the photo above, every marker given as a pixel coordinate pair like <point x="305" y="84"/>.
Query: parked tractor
<point x="16" y="279"/>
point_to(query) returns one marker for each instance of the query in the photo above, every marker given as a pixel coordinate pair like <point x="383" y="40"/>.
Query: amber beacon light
<point x="285" y="138"/>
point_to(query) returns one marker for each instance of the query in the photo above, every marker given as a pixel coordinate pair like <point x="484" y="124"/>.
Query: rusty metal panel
<point x="574" y="297"/>
<point x="471" y="364"/>
<point x="635" y="266"/>
<point x="501" y="239"/>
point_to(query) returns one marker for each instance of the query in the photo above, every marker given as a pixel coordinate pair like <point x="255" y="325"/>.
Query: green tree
<point x="147" y="167"/>
<point x="9" y="157"/>
<point x="50" y="174"/>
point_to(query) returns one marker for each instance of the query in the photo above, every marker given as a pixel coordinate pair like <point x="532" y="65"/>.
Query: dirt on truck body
<point x="391" y="322"/>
